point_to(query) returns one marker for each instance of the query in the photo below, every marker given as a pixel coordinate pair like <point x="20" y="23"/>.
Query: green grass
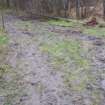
<point x="95" y="31"/>
<point x="69" y="56"/>
<point x="24" y="25"/>
<point x="72" y="78"/>
<point x="64" y="23"/>
<point x="3" y="37"/>
<point x="66" y="55"/>
<point x="3" y="69"/>
<point x="64" y="51"/>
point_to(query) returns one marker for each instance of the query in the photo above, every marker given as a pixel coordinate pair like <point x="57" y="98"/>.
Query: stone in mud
<point x="28" y="33"/>
<point x="49" y="99"/>
<point x="78" y="100"/>
<point x="16" y="44"/>
<point x="91" y="38"/>
<point x="102" y="60"/>
<point x="89" y="87"/>
<point x="2" y="100"/>
<point x="100" y="55"/>
<point x="65" y="97"/>
<point x="76" y="32"/>
<point x="24" y="97"/>
<point x="98" y="42"/>
<point x="103" y="84"/>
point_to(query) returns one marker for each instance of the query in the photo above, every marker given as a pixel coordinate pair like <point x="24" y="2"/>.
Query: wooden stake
<point x="3" y="22"/>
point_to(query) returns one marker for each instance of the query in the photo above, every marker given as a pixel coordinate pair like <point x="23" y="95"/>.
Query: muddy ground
<point x="35" y="76"/>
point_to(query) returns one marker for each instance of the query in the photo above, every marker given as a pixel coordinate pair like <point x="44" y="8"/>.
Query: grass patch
<point x="3" y="70"/>
<point x="25" y="25"/>
<point x="67" y="55"/>
<point x="10" y="87"/>
<point x="7" y="86"/>
<point x="64" y="51"/>
<point x="3" y="37"/>
<point x="95" y="31"/>
<point x="76" y="80"/>
<point x="64" y="23"/>
<point x="3" y="46"/>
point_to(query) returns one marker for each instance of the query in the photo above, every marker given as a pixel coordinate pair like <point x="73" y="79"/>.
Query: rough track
<point x="43" y="84"/>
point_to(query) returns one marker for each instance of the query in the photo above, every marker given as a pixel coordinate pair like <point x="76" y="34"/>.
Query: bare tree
<point x="8" y="3"/>
<point x="3" y="23"/>
<point x="77" y="8"/>
<point x="104" y="9"/>
<point x="2" y="15"/>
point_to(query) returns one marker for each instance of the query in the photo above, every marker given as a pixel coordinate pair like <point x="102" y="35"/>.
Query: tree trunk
<point x="78" y="9"/>
<point x="8" y="3"/>
<point x="2" y="17"/>
<point x="104" y="9"/>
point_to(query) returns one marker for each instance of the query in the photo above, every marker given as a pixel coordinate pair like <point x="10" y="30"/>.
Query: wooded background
<point x="60" y="8"/>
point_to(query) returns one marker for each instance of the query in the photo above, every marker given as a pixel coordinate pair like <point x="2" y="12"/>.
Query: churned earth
<point x="48" y="64"/>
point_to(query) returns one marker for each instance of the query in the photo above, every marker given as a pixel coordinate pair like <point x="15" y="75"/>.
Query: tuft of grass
<point x="3" y="37"/>
<point x="64" y="23"/>
<point x="95" y="31"/>
<point x="3" y="70"/>
<point x="76" y="80"/>
<point x="7" y="104"/>
<point x="24" y="25"/>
